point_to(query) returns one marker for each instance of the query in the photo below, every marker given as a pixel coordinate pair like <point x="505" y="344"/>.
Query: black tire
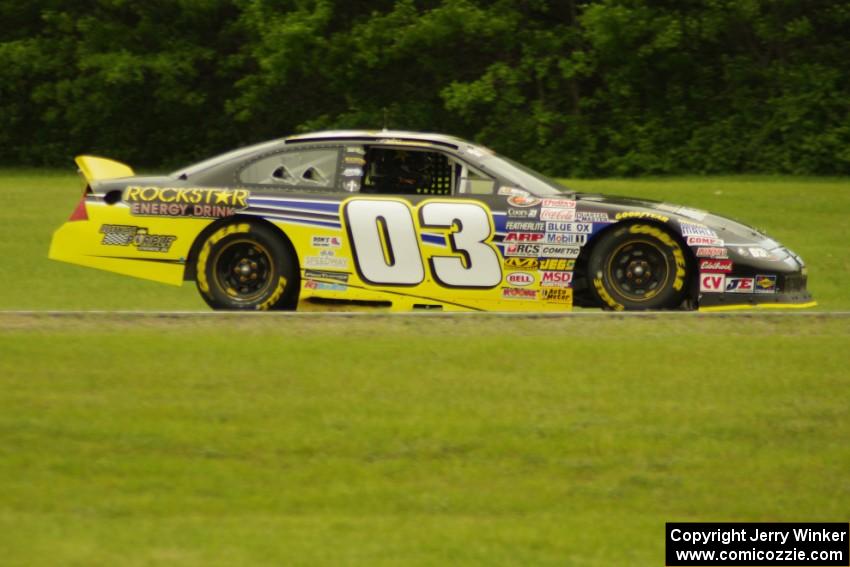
<point x="247" y="266"/>
<point x="638" y="267"/>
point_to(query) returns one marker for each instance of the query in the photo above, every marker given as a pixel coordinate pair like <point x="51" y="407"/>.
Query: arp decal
<point x="185" y="202"/>
<point x="523" y="237"/>
<point x="125" y="235"/>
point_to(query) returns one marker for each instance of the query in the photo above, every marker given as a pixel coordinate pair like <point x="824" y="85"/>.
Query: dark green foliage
<point x="573" y="87"/>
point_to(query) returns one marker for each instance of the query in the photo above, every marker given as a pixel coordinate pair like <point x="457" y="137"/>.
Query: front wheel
<point x="638" y="267"/>
<point x="247" y="266"/>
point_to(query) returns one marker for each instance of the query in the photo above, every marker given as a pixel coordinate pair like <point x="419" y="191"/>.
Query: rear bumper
<point x="79" y="242"/>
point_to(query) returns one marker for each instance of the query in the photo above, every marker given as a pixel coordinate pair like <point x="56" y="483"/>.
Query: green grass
<point x="809" y="215"/>
<point x="411" y="440"/>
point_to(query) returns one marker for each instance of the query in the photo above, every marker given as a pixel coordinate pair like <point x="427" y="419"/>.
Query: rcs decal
<point x="385" y="242"/>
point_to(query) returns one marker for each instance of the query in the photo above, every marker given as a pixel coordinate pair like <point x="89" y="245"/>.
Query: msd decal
<point x="712" y="283"/>
<point x="556" y="279"/>
<point x="739" y="285"/>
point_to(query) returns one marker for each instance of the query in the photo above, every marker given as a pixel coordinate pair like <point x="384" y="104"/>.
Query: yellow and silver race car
<point x="401" y="221"/>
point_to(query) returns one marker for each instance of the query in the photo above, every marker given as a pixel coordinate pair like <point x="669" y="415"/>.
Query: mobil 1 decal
<point x="386" y="243"/>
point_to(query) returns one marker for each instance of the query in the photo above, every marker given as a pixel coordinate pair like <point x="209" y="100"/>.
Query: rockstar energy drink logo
<point x="185" y="202"/>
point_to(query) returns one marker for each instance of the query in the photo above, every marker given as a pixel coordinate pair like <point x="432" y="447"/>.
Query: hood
<point x="731" y="231"/>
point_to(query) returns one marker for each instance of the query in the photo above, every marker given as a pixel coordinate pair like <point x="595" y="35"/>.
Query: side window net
<point x="310" y="168"/>
<point x="406" y="172"/>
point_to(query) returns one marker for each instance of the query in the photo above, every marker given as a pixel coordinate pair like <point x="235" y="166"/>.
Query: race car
<point x="401" y="221"/>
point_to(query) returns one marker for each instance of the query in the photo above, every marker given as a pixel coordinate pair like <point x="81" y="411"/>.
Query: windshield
<point x="208" y="163"/>
<point x="526" y="178"/>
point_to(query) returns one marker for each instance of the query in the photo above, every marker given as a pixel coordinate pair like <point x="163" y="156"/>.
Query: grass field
<point x="809" y="215"/>
<point x="271" y="439"/>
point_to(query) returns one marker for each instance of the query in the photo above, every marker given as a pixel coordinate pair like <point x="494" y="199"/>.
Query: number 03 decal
<point x="386" y="248"/>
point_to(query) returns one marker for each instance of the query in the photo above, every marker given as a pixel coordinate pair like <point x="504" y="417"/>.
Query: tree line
<point x="571" y="87"/>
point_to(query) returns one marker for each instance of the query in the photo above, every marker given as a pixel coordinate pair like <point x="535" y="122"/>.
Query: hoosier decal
<point x="556" y="279"/>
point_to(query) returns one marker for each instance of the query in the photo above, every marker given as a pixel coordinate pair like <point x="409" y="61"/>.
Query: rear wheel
<point x="638" y="267"/>
<point x="247" y="266"/>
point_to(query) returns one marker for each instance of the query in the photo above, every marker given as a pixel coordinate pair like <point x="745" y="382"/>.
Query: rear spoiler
<point x="96" y="168"/>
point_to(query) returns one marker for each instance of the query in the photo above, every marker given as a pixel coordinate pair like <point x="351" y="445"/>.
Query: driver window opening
<point x="419" y="172"/>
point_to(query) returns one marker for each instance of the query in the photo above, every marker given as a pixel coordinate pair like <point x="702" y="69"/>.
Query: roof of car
<point x="387" y="135"/>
